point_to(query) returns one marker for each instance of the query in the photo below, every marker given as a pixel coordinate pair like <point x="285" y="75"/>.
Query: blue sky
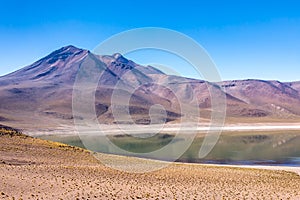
<point x="246" y="39"/>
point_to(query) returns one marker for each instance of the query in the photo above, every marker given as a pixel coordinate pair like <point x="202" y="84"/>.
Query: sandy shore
<point x="266" y="167"/>
<point x="37" y="169"/>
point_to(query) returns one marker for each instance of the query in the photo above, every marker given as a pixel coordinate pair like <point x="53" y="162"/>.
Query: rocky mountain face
<point x="41" y="93"/>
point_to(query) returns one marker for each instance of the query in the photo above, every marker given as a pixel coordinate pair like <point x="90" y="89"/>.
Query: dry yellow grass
<point x="37" y="169"/>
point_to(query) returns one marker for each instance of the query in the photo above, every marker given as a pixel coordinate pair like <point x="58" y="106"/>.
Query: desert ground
<point x="32" y="168"/>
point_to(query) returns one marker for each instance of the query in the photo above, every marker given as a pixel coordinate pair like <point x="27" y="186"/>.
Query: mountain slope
<point x="279" y="99"/>
<point x="295" y="85"/>
<point x="44" y="89"/>
<point x="41" y="94"/>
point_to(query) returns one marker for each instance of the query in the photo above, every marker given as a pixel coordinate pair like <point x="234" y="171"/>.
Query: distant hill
<point x="40" y="94"/>
<point x="6" y="130"/>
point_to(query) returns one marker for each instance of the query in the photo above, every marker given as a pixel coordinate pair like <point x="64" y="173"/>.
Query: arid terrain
<point x="39" y="96"/>
<point x="152" y="100"/>
<point x="40" y="99"/>
<point x="38" y="169"/>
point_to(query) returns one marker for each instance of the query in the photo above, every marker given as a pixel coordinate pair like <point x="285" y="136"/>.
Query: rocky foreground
<point x="37" y="169"/>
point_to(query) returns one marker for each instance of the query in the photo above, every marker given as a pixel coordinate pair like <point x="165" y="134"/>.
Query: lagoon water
<point x="238" y="148"/>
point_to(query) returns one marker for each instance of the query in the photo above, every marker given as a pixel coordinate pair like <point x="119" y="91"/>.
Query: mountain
<point x="274" y="97"/>
<point x="40" y="94"/>
<point x="294" y="85"/>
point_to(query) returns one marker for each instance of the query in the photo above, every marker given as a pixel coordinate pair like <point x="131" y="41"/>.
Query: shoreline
<point x="104" y="129"/>
<point x="40" y="169"/>
<point x="266" y="167"/>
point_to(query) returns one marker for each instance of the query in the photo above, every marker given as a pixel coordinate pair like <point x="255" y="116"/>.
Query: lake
<point x="233" y="147"/>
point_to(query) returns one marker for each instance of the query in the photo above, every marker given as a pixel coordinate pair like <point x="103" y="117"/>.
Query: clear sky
<point x="246" y="39"/>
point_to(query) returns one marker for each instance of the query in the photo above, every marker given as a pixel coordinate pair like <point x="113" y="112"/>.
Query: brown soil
<point x="36" y="169"/>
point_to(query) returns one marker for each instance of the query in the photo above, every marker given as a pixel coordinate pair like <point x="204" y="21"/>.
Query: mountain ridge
<point x="76" y="50"/>
<point x="43" y="91"/>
